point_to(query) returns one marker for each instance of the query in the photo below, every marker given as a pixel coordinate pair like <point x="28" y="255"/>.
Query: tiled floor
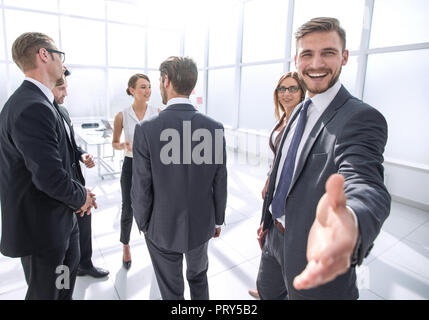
<point x="397" y="268"/>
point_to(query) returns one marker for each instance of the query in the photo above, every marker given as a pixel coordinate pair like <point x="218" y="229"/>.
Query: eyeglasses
<point x="292" y="89"/>
<point x="62" y="54"/>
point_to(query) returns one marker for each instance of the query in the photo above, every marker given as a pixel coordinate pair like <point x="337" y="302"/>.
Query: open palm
<point x="332" y="238"/>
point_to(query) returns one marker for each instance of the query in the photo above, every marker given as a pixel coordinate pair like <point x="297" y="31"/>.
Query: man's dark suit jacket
<point x="177" y="205"/>
<point x="349" y="138"/>
<point x="76" y="150"/>
<point x="38" y="193"/>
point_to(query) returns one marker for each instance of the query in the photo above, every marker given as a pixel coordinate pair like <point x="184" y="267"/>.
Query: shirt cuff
<point x="354" y="217"/>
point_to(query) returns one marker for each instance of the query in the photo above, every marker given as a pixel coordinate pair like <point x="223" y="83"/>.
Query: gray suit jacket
<point x="349" y="138"/>
<point x="177" y="205"/>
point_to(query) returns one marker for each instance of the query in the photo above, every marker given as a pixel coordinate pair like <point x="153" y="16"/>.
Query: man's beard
<point x="331" y="82"/>
<point x="164" y="95"/>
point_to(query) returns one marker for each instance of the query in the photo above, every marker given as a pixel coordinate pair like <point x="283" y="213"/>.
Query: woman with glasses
<point x="138" y="87"/>
<point x="288" y="94"/>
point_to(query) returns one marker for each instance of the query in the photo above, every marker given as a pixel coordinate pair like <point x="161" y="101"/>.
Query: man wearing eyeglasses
<point x="38" y="193"/>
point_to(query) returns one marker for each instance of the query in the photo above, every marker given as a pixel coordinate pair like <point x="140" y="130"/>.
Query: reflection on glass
<point x="397" y="22"/>
<point x="93" y="8"/>
<point x="18" y="22"/>
<point x="87" y="93"/>
<point x="221" y="96"/>
<point x="161" y="45"/>
<point x="126" y="45"/>
<point x="118" y="82"/>
<point x="223" y="32"/>
<point x="264" y="30"/>
<point x="256" y="99"/>
<point x="45" y="5"/>
<point x="83" y="41"/>
<point x="396" y="85"/>
<point x="350" y="14"/>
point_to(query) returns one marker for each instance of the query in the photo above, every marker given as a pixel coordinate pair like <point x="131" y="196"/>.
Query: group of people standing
<point x="324" y="198"/>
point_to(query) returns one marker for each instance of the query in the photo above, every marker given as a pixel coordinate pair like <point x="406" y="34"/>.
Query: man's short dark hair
<point x="321" y="24"/>
<point x="182" y="72"/>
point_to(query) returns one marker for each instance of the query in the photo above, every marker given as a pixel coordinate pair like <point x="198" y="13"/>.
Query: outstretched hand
<point x="331" y="240"/>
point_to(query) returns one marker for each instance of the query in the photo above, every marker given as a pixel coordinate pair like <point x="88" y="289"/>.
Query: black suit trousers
<point x="51" y="274"/>
<point x="168" y="266"/>
<point x="85" y="241"/>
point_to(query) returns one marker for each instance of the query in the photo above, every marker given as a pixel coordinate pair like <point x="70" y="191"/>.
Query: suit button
<point x="74" y="165"/>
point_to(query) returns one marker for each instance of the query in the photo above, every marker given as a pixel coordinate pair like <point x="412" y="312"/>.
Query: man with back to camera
<point x="38" y="193"/>
<point x="86" y="266"/>
<point x="326" y="200"/>
<point x="178" y="199"/>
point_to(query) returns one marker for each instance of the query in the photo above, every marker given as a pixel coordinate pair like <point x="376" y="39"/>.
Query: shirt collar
<point x="322" y="100"/>
<point x="48" y="93"/>
<point x="178" y="101"/>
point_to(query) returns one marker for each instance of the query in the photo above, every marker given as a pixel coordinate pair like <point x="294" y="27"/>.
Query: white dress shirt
<point x="179" y="100"/>
<point x="318" y="105"/>
<point x="46" y="91"/>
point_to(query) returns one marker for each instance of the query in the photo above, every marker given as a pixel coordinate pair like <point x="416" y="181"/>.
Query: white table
<point x="97" y="138"/>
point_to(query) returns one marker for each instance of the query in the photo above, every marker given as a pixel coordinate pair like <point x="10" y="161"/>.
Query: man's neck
<point x="41" y="77"/>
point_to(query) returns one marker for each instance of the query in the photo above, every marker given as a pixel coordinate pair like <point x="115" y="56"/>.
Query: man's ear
<point x="345" y="57"/>
<point x="166" y="81"/>
<point x="43" y="55"/>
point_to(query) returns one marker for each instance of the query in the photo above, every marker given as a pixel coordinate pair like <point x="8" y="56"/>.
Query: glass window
<point x="195" y="44"/>
<point x="264" y="30"/>
<point x="167" y="14"/>
<point x="197" y="95"/>
<point x="222" y="96"/>
<point x="3" y="86"/>
<point x="118" y="82"/>
<point x="398" y="22"/>
<point x="155" y="98"/>
<point x="196" y="29"/>
<point x="126" y="12"/>
<point x="93" y="8"/>
<point x="16" y="76"/>
<point x="350" y="14"/>
<point x="256" y="99"/>
<point x="45" y="5"/>
<point x="161" y="45"/>
<point x="396" y="84"/>
<point x="18" y="22"/>
<point x="348" y="75"/>
<point x="83" y="41"/>
<point x="223" y="32"/>
<point x="2" y="48"/>
<point x="126" y="45"/>
<point x="87" y="93"/>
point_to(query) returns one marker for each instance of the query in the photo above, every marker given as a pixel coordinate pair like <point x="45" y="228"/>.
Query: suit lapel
<point x="340" y="99"/>
<point x="65" y="121"/>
